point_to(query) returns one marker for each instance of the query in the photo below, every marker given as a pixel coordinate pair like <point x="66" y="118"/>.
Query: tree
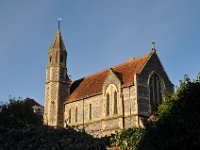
<point x="18" y="113"/>
<point x="177" y="120"/>
<point x="176" y="124"/>
<point x="21" y="128"/>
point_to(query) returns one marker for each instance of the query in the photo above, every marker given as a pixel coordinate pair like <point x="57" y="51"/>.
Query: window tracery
<point x="115" y="103"/>
<point x="107" y="104"/>
<point x="155" y="86"/>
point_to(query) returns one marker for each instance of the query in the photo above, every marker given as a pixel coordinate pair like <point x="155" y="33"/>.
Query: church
<point x="110" y="100"/>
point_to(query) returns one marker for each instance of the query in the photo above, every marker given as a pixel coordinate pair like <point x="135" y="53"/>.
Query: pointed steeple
<point x="58" y="41"/>
<point x="57" y="86"/>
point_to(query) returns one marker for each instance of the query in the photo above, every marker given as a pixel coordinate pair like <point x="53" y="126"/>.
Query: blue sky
<point x="98" y="34"/>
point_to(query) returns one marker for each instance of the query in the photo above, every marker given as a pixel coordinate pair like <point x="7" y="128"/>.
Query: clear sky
<point x="98" y="34"/>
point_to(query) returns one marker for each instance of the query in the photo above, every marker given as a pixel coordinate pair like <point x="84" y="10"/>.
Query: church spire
<point x="57" y="82"/>
<point x="57" y="41"/>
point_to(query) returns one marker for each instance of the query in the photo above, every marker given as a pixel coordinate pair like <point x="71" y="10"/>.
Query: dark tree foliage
<point x="177" y="124"/>
<point x="18" y="113"/>
<point x="22" y="129"/>
<point x="49" y="138"/>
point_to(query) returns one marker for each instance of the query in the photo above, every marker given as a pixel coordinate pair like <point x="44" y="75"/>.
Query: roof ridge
<point x="96" y="73"/>
<point x="93" y="83"/>
<point x="131" y="59"/>
<point x="107" y="69"/>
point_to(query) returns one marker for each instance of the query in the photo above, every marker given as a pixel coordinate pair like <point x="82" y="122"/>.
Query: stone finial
<point x="59" y="21"/>
<point x="153" y="45"/>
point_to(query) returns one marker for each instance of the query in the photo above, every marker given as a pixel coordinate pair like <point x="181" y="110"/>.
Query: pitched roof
<point x="92" y="84"/>
<point x="32" y="102"/>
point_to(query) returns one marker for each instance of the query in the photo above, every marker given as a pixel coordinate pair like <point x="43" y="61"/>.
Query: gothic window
<point x="155" y="92"/>
<point x="115" y="103"/>
<point x="76" y="114"/>
<point x="69" y="115"/>
<point x="107" y="104"/>
<point x="90" y="111"/>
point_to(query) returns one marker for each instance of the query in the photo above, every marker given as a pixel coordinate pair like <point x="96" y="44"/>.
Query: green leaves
<point x="176" y="124"/>
<point x="128" y="139"/>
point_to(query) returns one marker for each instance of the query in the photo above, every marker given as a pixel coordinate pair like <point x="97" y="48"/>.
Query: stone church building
<point x="113" y="99"/>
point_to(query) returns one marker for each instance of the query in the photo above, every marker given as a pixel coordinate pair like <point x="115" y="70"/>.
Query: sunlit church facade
<point x="110" y="100"/>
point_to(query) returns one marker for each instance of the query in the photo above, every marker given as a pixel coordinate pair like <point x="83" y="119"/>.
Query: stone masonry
<point x="111" y="100"/>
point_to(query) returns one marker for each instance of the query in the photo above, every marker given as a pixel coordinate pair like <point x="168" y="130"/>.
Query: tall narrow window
<point x="76" y="114"/>
<point x="61" y="58"/>
<point x="90" y="111"/>
<point x="56" y="57"/>
<point x="50" y="58"/>
<point x="115" y="103"/>
<point x="155" y="92"/>
<point x="70" y="116"/>
<point x="107" y="104"/>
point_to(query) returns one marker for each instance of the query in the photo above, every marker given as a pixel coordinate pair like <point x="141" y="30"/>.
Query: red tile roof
<point x="92" y="84"/>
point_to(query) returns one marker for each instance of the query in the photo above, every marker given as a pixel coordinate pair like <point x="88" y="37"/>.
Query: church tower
<point x="57" y="82"/>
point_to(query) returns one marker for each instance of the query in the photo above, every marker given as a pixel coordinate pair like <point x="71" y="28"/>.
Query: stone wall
<point x="55" y="93"/>
<point x="153" y="66"/>
<point x="83" y="113"/>
<point x="130" y="106"/>
<point x="100" y="124"/>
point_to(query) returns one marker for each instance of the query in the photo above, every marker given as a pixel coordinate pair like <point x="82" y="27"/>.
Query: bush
<point x="128" y="139"/>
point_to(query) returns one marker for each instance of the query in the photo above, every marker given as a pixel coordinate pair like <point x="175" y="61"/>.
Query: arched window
<point x="76" y="114"/>
<point x="90" y="111"/>
<point x="69" y="115"/>
<point x="155" y="92"/>
<point x="115" y="103"/>
<point x="107" y="104"/>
